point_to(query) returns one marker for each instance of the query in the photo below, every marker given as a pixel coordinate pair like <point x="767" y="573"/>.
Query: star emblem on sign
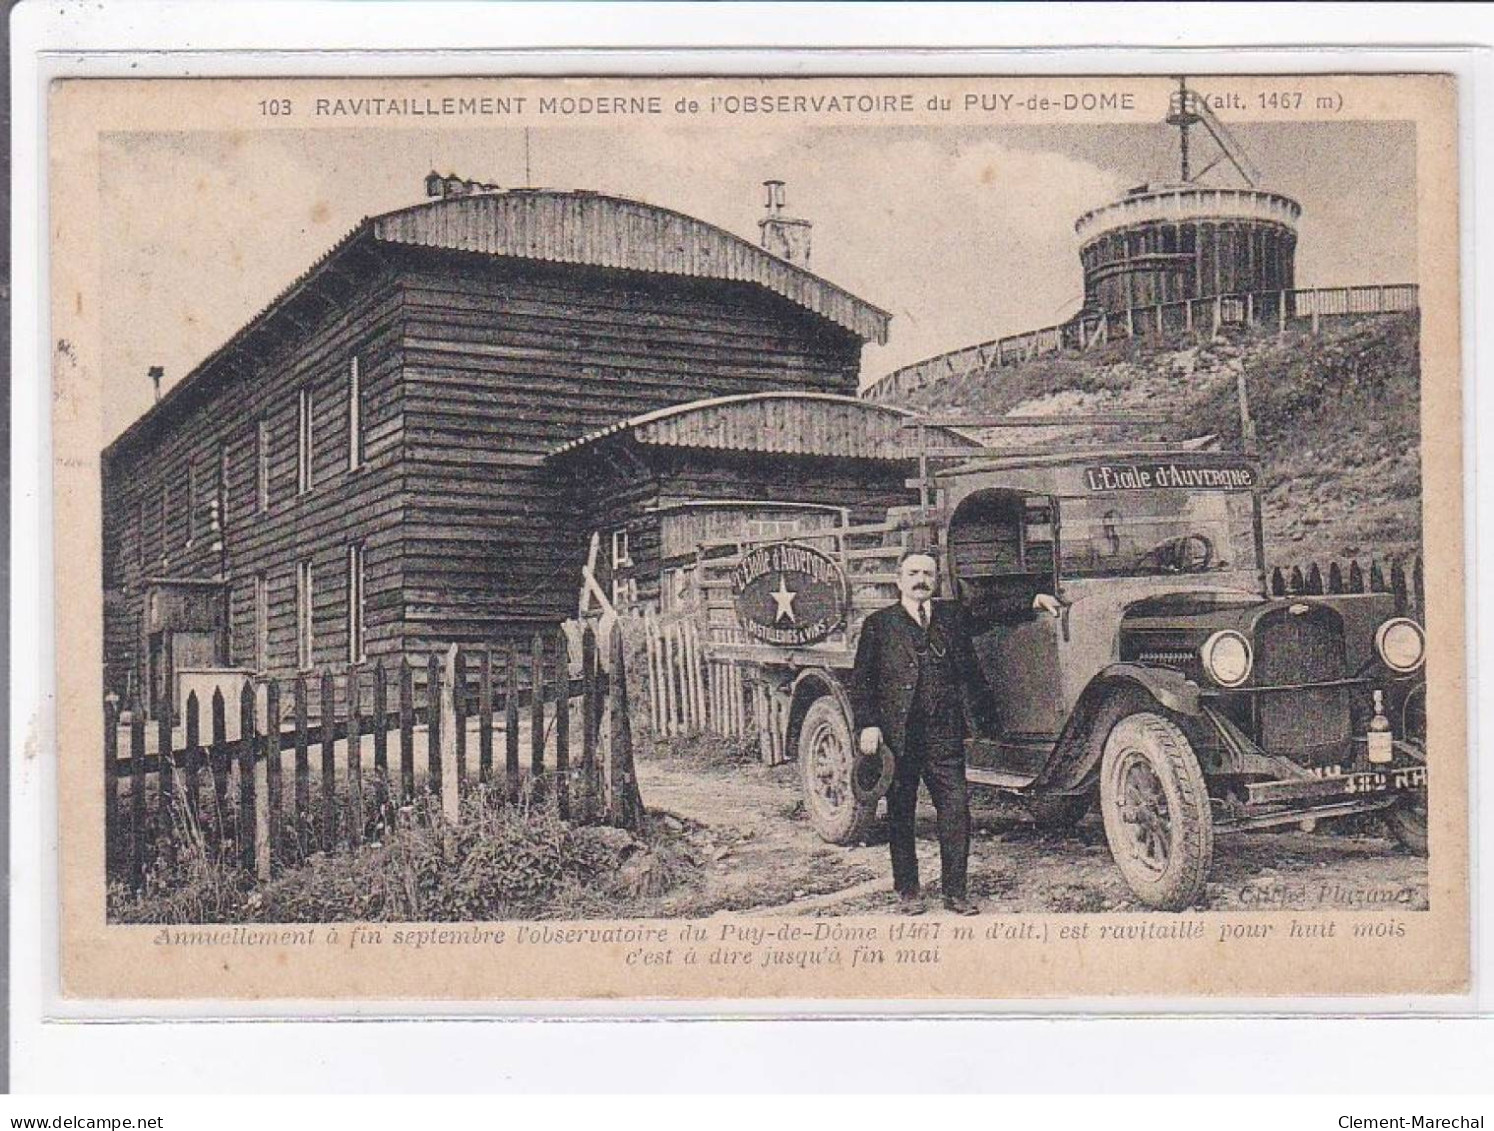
<point x="783" y="597"/>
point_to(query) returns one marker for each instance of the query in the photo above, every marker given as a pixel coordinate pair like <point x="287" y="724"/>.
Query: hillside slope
<point x="1337" y="417"/>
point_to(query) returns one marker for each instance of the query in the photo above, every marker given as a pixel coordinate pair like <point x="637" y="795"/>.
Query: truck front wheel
<point x="1156" y="810"/>
<point x="826" y="755"/>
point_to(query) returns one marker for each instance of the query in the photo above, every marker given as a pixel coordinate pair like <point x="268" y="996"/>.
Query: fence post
<point x="406" y="732"/>
<point x="589" y="716"/>
<point x="511" y="727"/>
<point x="457" y="677"/>
<point x="1314" y="579"/>
<point x="1376" y="578"/>
<point x="194" y="752"/>
<point x="1335" y="578"/>
<point x="537" y="710"/>
<point x="1398" y="585"/>
<point x="249" y="828"/>
<point x="433" y="724"/>
<point x="562" y="726"/>
<point x="329" y="762"/>
<point x="450" y="782"/>
<point x="1295" y="585"/>
<point x="381" y="739"/>
<point x="355" y="755"/>
<point x="485" y="717"/>
<point x="165" y="740"/>
<point x="303" y="764"/>
<point x="111" y="784"/>
<point x="1356" y="577"/>
<point x="1278" y="583"/>
<point x="626" y="808"/>
<point x="381" y="729"/>
<point x="137" y="797"/>
<point x="219" y="763"/>
<point x="275" y="813"/>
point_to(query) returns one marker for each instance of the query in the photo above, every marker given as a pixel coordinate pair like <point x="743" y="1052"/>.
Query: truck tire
<point x="1407" y="822"/>
<point x="826" y="750"/>
<point x="1156" y="809"/>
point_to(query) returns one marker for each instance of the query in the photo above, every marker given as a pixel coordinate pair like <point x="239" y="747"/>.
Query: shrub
<point x="500" y="861"/>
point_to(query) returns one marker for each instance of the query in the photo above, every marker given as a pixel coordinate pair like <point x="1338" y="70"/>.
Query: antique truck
<point x="1172" y="687"/>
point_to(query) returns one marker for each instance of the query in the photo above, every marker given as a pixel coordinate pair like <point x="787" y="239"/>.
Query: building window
<point x="624" y="593"/>
<point x="355" y="415"/>
<point x="220" y="498"/>
<point x="262" y="465"/>
<point x="303" y="442"/>
<point x="191" y="499"/>
<point x="305" y="640"/>
<point x="355" y="603"/>
<point x="261" y="622"/>
<point x="620" y="558"/>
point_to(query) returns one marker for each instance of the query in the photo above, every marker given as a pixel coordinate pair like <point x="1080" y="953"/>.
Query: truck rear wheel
<point x="826" y="754"/>
<point x="1156" y="809"/>
<point x="1407" y="822"/>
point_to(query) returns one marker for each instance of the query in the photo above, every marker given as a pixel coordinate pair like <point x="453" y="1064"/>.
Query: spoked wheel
<point x="826" y="755"/>
<point x="1156" y="810"/>
<point x="1407" y="822"/>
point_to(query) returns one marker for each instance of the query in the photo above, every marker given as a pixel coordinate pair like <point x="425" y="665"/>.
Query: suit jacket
<point x="885" y="677"/>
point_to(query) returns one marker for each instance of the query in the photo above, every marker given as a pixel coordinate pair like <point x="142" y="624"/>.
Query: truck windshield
<point x="1156" y="532"/>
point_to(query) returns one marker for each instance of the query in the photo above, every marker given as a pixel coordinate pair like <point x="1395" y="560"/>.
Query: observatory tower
<point x="1169" y="242"/>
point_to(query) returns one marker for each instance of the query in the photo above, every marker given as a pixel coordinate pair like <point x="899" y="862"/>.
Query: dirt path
<point x="746" y="829"/>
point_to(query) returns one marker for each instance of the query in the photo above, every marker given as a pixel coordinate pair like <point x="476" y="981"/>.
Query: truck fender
<point x="809" y="685"/>
<point x="1118" y="688"/>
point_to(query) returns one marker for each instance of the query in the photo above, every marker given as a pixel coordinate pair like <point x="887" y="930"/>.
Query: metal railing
<point x="1200" y="316"/>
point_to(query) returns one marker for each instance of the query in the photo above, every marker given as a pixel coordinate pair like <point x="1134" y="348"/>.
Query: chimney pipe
<point x="156" y="372"/>
<point x="784" y="236"/>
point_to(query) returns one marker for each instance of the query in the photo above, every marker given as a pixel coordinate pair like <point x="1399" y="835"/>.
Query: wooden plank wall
<point x="342" y="506"/>
<point x="504" y="362"/>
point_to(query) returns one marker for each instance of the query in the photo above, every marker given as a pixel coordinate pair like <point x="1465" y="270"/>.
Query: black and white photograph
<point x="787" y="536"/>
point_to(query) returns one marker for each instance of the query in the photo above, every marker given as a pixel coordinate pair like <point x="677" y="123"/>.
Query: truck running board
<point x="1000" y="779"/>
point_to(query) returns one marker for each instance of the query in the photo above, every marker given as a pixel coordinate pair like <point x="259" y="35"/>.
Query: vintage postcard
<point x="934" y="540"/>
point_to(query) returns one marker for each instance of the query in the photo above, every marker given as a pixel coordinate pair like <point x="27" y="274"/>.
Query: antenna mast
<point x="1186" y="109"/>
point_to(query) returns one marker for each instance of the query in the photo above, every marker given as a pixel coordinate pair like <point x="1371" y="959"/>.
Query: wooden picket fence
<point x="230" y="795"/>
<point x="1407" y="585"/>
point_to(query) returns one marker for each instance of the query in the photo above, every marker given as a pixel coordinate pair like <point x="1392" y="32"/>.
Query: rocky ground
<point x="1337" y="416"/>
<point x="744" y="826"/>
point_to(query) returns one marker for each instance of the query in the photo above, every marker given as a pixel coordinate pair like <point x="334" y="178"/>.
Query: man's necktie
<point x="923" y="617"/>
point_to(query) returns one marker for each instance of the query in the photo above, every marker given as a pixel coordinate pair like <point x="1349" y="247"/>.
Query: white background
<point x="1068" y="1055"/>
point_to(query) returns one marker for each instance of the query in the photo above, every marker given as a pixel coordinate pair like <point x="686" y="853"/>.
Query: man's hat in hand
<point x="871" y="774"/>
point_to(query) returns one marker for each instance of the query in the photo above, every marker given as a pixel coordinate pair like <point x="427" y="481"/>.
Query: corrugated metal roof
<point x="817" y="424"/>
<point x="609" y="231"/>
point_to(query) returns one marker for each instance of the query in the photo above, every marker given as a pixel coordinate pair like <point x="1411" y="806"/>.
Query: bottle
<point x="1381" y="749"/>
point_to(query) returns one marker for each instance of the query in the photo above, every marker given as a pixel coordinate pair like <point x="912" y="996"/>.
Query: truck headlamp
<point x="1401" y="643"/>
<point x="1227" y="658"/>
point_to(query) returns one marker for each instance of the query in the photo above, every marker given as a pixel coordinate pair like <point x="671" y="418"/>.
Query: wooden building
<point x="771" y="464"/>
<point x="360" y="472"/>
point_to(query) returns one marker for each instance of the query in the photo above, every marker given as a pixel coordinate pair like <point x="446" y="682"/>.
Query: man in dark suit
<point x="914" y="676"/>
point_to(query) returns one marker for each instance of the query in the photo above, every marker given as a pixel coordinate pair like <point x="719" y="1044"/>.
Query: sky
<point x="962" y="233"/>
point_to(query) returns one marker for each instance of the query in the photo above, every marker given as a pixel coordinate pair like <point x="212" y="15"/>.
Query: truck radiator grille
<point x="1313" y="725"/>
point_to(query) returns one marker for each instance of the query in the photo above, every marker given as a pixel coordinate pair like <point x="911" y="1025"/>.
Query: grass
<point x="1332" y="491"/>
<point x="500" y="861"/>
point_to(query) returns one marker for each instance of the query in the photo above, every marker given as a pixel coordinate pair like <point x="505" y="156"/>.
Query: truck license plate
<point x="1378" y="781"/>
